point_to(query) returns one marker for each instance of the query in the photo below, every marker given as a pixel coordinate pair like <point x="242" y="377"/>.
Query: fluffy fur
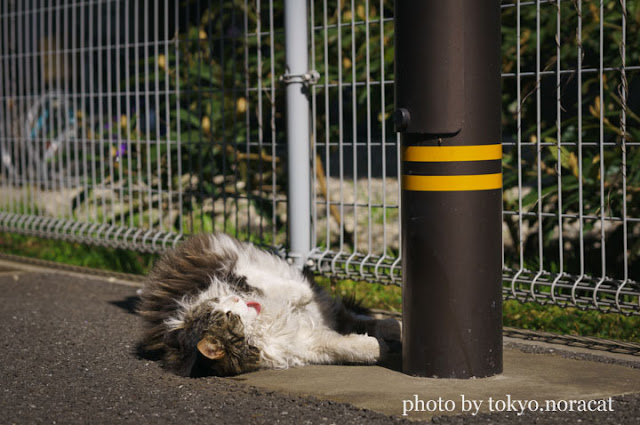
<point x="216" y="306"/>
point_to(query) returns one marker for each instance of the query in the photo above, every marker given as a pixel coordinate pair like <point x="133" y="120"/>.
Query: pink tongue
<point x="254" y="305"/>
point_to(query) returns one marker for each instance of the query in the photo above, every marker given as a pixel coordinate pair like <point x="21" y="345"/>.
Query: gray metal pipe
<point x="298" y="159"/>
<point x="448" y="113"/>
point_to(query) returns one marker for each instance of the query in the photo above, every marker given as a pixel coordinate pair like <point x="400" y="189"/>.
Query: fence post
<point x="297" y="78"/>
<point x="447" y="82"/>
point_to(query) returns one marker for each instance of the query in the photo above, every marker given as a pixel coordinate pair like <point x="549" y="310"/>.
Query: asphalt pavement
<point x="68" y="357"/>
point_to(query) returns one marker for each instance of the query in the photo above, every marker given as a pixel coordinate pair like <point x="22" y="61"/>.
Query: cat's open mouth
<point x="254" y="305"/>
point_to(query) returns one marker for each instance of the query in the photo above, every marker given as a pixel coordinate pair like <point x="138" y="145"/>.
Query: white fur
<point x="290" y="329"/>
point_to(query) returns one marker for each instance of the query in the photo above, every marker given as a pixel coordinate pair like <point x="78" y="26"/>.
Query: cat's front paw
<point x="372" y="349"/>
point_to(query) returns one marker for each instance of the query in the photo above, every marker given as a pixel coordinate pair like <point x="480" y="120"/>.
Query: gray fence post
<point x="297" y="78"/>
<point x="448" y="113"/>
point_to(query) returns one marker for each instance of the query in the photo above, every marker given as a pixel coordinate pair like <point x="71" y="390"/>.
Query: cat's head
<point x="210" y="339"/>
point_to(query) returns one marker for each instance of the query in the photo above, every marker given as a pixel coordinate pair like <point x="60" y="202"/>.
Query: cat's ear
<point x="211" y="349"/>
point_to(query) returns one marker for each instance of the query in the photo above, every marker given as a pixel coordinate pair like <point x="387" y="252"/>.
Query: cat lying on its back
<point x="216" y="306"/>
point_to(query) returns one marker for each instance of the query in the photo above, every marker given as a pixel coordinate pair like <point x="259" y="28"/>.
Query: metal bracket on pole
<point x="308" y="78"/>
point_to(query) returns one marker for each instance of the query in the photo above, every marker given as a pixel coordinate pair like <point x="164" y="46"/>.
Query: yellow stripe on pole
<point x="452" y="183"/>
<point x="452" y="153"/>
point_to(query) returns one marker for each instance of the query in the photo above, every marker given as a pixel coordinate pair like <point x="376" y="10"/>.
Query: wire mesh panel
<point x="572" y="231"/>
<point x="134" y="123"/>
<point x="231" y="119"/>
<point x="356" y="198"/>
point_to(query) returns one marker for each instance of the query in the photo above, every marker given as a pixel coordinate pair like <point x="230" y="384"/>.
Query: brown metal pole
<point x="448" y="113"/>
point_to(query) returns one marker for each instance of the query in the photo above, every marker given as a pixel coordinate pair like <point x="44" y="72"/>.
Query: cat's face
<point x="212" y="340"/>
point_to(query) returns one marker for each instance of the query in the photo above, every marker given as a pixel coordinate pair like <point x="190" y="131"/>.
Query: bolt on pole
<point x="448" y="110"/>
<point x="299" y="163"/>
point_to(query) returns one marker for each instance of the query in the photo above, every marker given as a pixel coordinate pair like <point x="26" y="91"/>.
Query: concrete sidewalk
<point x="526" y="377"/>
<point x="85" y="322"/>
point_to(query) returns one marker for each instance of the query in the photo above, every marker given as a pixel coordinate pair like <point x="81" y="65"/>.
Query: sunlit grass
<point x="77" y="254"/>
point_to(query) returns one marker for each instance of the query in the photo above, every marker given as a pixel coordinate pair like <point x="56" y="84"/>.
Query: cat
<point x="217" y="306"/>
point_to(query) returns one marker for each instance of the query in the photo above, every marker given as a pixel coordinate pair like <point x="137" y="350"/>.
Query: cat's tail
<point x="355" y="306"/>
<point x="345" y="315"/>
<point x="351" y="316"/>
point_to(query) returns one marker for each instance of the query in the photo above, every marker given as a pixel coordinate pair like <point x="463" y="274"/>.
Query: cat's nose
<point x="236" y="299"/>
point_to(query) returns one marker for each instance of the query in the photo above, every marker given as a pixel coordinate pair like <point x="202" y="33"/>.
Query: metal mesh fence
<point x="356" y="148"/>
<point x="136" y="123"/>
<point x="570" y="151"/>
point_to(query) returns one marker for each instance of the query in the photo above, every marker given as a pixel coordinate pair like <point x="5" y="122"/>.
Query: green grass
<point x="571" y="321"/>
<point x="372" y="295"/>
<point x="77" y="254"/>
<point x="568" y="321"/>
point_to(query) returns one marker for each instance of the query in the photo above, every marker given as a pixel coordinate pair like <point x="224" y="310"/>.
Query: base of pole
<point x="452" y="293"/>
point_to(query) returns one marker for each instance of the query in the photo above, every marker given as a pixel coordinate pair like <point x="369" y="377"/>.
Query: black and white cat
<point x="216" y="306"/>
